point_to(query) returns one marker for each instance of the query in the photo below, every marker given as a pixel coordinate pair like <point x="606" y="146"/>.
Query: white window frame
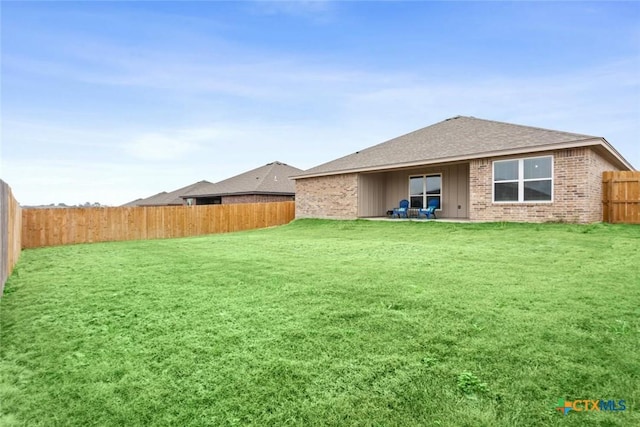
<point x="521" y="180"/>
<point x="424" y="189"/>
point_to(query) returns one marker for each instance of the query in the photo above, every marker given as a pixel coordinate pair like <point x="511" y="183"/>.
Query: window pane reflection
<point x="506" y="171"/>
<point x="506" y="192"/>
<point x="416" y="185"/>
<point x="537" y="168"/>
<point x="433" y="184"/>
<point x="537" y="190"/>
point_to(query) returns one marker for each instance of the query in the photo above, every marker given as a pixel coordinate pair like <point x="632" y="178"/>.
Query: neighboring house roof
<point x="169" y="199"/>
<point x="133" y="203"/>
<point x="457" y="139"/>
<point x="156" y="200"/>
<point x="272" y="178"/>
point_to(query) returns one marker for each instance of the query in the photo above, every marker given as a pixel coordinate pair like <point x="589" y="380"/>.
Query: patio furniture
<point x="430" y="210"/>
<point x="401" y="212"/>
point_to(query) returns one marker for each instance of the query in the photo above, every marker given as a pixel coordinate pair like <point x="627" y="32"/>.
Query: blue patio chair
<point x="430" y="210"/>
<point x="402" y="211"/>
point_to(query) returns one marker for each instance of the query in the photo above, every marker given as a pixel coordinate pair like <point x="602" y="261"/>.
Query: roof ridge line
<point x="531" y="127"/>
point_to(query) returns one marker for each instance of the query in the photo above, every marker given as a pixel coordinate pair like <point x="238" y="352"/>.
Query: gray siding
<point x="372" y="194"/>
<point x="455" y="188"/>
<point x="455" y="184"/>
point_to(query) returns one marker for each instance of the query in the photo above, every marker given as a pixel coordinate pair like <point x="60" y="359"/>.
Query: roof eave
<point x="614" y="155"/>
<point x="159" y="204"/>
<point x="244" y="193"/>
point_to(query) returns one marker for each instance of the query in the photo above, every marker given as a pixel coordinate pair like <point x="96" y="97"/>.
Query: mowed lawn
<point x="333" y="323"/>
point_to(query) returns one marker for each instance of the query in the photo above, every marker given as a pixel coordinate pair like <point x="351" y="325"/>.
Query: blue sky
<point x="111" y="101"/>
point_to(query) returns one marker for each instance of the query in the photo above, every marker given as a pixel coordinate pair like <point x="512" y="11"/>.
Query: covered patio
<point x="381" y="191"/>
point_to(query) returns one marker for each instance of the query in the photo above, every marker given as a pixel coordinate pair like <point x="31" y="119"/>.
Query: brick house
<point x="268" y="183"/>
<point x="476" y="169"/>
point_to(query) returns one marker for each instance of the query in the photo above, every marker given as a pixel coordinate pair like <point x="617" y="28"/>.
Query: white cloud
<point x="296" y="109"/>
<point x="156" y="146"/>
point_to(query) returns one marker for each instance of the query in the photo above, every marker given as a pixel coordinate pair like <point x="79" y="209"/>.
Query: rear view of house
<point x="475" y="169"/>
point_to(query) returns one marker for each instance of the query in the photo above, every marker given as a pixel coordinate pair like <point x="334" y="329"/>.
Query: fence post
<point x="606" y="196"/>
<point x="10" y="233"/>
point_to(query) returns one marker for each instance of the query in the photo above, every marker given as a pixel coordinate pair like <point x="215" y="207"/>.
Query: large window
<point x="424" y="188"/>
<point x="523" y="180"/>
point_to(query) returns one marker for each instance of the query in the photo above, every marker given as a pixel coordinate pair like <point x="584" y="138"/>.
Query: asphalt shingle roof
<point x="458" y="137"/>
<point x="132" y="203"/>
<point x="272" y="178"/>
<point x="167" y="199"/>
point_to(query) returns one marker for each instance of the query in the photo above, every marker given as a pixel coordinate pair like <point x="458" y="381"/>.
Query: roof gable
<point x="456" y="138"/>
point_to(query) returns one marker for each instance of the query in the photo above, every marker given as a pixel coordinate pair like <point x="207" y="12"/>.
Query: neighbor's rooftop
<point x="272" y="178"/>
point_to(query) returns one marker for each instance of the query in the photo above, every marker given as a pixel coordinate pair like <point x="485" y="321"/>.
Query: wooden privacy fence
<point x="621" y="197"/>
<point x="51" y="227"/>
<point x="10" y="225"/>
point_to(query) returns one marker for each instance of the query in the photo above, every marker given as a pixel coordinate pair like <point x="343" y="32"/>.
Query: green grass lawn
<point x="327" y="323"/>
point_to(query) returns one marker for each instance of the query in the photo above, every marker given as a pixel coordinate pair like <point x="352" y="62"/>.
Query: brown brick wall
<point x="577" y="190"/>
<point x="255" y="198"/>
<point x="597" y="165"/>
<point x="333" y="196"/>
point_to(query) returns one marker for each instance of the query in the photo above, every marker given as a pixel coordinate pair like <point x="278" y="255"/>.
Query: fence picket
<point x="621" y="197"/>
<point x="10" y="232"/>
<point x="51" y="227"/>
